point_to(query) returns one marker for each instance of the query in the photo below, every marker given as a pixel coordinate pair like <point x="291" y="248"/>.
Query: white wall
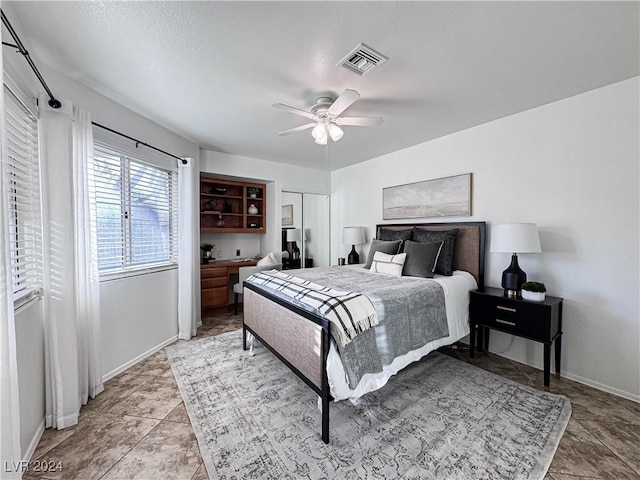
<point x="139" y="316"/>
<point x="277" y="176"/>
<point x="124" y="302"/>
<point x="128" y="303"/>
<point x="31" y="387"/>
<point x="572" y="167"/>
<point x="226" y="244"/>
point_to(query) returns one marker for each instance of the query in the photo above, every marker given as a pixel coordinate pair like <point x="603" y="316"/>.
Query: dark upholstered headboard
<point x="470" y="244"/>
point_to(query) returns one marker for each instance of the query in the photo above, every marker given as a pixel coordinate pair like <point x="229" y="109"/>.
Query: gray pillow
<point x="421" y="258"/>
<point x="391" y="248"/>
<point x="388" y="234"/>
<point x="445" y="260"/>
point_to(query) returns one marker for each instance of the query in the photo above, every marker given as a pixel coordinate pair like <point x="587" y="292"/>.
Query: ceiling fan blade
<point x="297" y="111"/>
<point x="359" y="121"/>
<point x="344" y="101"/>
<point x="298" y="129"/>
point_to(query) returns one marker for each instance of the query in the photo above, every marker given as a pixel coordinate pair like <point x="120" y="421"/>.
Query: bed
<point x="302" y="338"/>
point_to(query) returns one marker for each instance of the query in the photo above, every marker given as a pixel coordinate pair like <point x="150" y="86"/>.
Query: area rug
<point x="437" y="419"/>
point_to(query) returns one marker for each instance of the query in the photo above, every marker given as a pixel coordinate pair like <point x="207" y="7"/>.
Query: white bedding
<point x="456" y="295"/>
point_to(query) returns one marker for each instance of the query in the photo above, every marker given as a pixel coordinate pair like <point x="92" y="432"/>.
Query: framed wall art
<point x="287" y="215"/>
<point x="440" y="197"/>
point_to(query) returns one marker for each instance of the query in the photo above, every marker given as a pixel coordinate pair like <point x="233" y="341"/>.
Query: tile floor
<point x="138" y="427"/>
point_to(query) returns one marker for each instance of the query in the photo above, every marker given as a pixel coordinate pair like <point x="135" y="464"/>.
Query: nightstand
<point x="538" y="321"/>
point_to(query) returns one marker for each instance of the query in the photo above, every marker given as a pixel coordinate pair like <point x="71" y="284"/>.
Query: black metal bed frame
<point x="323" y="391"/>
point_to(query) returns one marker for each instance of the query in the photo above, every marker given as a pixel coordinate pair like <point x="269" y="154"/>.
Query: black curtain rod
<point x="138" y="142"/>
<point x="53" y="102"/>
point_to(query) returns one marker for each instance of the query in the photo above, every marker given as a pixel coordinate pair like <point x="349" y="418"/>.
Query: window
<point x="21" y="167"/>
<point x="136" y="211"/>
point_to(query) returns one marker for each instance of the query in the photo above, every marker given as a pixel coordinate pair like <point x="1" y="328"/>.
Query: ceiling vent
<point x="362" y="60"/>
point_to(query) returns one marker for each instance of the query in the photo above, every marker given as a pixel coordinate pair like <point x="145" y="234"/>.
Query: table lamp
<point x="294" y="235"/>
<point x="514" y="238"/>
<point x="353" y="236"/>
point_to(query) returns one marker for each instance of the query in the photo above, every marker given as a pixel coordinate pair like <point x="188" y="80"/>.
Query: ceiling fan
<point x="326" y="117"/>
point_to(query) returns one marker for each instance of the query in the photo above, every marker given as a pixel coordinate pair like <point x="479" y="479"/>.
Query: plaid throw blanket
<point x="350" y="313"/>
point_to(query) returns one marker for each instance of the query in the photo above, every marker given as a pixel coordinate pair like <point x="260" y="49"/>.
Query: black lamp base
<point x="353" y="257"/>
<point x="513" y="278"/>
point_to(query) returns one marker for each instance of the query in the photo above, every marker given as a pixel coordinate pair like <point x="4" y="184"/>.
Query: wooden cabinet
<point x="227" y="206"/>
<point x="216" y="281"/>
<point x="214" y="287"/>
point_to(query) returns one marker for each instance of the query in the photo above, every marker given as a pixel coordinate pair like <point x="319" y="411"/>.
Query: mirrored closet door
<point x="306" y="237"/>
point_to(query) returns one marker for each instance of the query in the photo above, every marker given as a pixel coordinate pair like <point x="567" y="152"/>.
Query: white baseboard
<point x="138" y="359"/>
<point x="584" y="381"/>
<point x="33" y="444"/>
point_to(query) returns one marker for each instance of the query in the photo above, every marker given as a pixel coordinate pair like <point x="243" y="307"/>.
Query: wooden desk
<point x="215" y="282"/>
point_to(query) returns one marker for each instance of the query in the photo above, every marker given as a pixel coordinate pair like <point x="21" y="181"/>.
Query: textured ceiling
<point x="211" y="70"/>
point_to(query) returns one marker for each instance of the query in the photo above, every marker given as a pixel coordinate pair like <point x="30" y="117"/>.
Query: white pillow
<point x="388" y="264"/>
<point x="268" y="260"/>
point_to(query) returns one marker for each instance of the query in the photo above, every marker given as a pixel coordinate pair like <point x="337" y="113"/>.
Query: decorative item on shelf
<point x="206" y="206"/>
<point x="534" y="291"/>
<point x="253" y="225"/>
<point x="252" y="192"/>
<point x="207" y="252"/>
<point x="353" y="236"/>
<point x="252" y="210"/>
<point x="220" y="222"/>
<point x="220" y="190"/>
<point x="514" y="238"/>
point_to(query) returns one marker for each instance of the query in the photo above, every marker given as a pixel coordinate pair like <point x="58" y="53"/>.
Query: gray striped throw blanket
<point x="349" y="312"/>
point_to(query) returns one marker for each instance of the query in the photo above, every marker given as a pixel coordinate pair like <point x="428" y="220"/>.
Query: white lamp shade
<point x="294" y="235"/>
<point x="335" y="132"/>
<point x="353" y="235"/>
<point x="515" y="238"/>
<point x="321" y="140"/>
<point x="319" y="131"/>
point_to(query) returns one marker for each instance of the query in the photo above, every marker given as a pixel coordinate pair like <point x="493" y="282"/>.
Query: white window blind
<point x="136" y="210"/>
<point x="21" y="166"/>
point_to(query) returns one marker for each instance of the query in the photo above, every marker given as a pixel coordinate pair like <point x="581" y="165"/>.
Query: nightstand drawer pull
<point x="513" y="324"/>
<point x="507" y="309"/>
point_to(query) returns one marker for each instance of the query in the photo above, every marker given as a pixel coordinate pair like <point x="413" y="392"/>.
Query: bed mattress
<point x="456" y="290"/>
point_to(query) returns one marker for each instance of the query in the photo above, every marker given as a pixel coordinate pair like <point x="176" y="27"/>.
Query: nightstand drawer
<point x="512" y="316"/>
<point x="519" y="324"/>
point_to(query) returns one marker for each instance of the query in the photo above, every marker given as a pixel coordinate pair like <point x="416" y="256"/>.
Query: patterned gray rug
<point x="437" y="419"/>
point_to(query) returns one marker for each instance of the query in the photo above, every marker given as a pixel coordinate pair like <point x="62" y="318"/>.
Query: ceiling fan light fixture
<point x="319" y="131"/>
<point x="335" y="132"/>
<point x="322" y="140"/>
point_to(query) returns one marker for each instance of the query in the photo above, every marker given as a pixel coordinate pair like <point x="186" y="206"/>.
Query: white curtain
<point x="188" y="263"/>
<point x="86" y="246"/>
<point x="10" y="451"/>
<point x="71" y="299"/>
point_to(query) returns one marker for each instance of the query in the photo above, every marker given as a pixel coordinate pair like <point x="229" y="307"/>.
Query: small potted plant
<point x="253" y="192"/>
<point x="207" y="254"/>
<point x="533" y="291"/>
